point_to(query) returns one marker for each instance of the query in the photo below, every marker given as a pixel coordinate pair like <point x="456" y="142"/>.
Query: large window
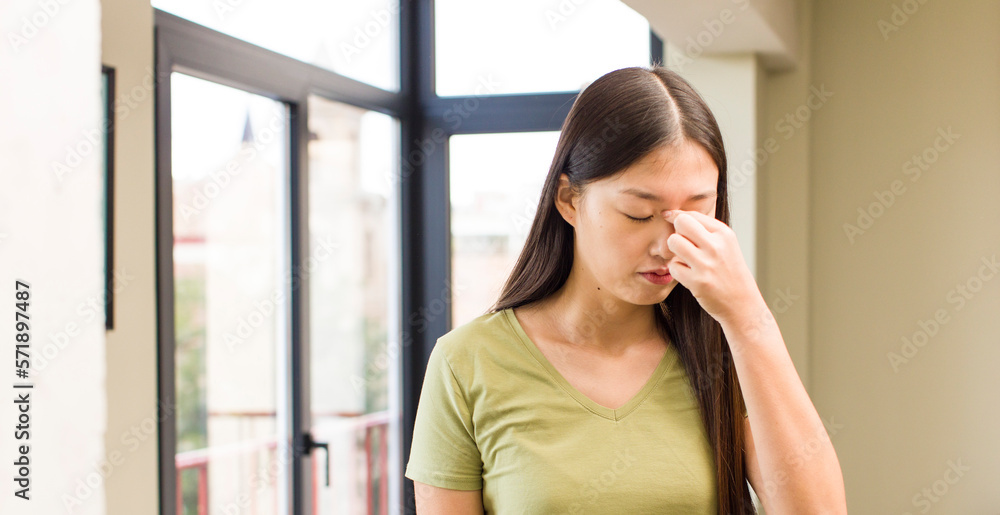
<point x="496" y="181"/>
<point x="527" y="46"/>
<point x="324" y="215"/>
<point x="358" y="39"/>
<point x="353" y="237"/>
<point x="230" y="213"/>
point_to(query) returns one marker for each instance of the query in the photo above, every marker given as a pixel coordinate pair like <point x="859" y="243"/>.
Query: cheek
<point x="609" y="242"/>
<point x="614" y="244"/>
<point x="625" y="247"/>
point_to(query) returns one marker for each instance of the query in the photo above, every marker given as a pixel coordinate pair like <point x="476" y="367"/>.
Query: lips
<point x="657" y="278"/>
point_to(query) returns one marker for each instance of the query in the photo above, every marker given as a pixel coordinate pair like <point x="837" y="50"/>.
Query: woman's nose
<point x="664" y="230"/>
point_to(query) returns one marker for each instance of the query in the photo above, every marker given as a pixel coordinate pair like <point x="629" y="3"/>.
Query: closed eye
<point x="639" y="220"/>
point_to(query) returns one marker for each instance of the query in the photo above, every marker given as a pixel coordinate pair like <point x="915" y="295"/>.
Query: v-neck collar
<point x="666" y="362"/>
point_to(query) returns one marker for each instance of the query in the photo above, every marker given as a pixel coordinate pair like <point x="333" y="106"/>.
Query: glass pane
<point x="229" y="187"/>
<point x="490" y="218"/>
<point x="353" y="284"/>
<point x="526" y="46"/>
<point x="358" y="39"/>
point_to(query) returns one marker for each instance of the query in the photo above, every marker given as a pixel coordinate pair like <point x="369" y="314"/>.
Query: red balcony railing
<point x="371" y="423"/>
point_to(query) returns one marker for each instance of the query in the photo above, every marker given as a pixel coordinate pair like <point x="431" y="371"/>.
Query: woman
<point x="630" y="364"/>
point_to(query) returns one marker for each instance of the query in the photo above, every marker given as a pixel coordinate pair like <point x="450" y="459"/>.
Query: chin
<point x="670" y="289"/>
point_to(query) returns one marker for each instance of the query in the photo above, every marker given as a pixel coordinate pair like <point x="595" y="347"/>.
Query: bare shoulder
<point x="433" y="500"/>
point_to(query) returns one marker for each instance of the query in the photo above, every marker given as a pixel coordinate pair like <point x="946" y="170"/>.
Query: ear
<point x="567" y="201"/>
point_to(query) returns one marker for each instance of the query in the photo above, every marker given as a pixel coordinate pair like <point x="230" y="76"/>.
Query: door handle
<point x="309" y="444"/>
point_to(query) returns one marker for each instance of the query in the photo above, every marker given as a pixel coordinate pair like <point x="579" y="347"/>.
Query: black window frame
<point x="184" y="46"/>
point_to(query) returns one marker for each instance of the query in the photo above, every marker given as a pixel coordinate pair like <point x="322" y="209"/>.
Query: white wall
<point x="51" y="237"/>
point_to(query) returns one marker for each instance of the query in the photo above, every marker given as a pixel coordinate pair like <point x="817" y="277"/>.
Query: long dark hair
<point x="616" y="120"/>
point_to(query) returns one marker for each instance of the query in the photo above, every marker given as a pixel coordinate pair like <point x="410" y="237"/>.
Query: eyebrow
<point x="656" y="198"/>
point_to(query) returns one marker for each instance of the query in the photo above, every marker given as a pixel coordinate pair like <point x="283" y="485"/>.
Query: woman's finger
<point x="691" y="228"/>
<point x="684" y="249"/>
<point x="711" y="224"/>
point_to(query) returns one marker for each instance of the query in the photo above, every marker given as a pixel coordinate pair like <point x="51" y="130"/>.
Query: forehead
<point x="672" y="173"/>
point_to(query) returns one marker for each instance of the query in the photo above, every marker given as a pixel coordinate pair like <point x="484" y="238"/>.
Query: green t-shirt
<point x="494" y="414"/>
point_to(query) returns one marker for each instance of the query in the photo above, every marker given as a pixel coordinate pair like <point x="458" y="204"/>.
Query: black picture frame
<point x="108" y="125"/>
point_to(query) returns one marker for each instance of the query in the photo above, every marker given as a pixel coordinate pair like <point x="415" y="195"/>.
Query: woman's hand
<point x="709" y="263"/>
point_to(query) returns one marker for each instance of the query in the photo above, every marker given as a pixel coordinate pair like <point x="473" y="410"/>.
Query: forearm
<point x="799" y="469"/>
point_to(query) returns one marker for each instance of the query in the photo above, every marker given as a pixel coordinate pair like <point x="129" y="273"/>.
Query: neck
<point x="586" y="316"/>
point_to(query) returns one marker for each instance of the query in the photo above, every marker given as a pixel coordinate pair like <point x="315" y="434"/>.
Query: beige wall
<point x="898" y="430"/>
<point x="729" y="85"/>
<point x="127" y="27"/>
<point x="783" y="201"/>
